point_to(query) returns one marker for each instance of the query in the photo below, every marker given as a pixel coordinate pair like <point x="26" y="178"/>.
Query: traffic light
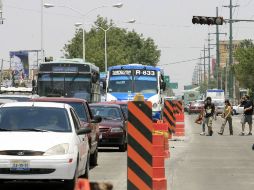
<point x="207" y="20"/>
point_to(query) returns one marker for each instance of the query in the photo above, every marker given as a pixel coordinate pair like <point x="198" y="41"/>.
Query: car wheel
<point x="70" y="184"/>
<point x="94" y="158"/>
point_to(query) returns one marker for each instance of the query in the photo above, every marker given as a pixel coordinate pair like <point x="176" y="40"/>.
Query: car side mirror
<point x="84" y="131"/>
<point x="96" y="119"/>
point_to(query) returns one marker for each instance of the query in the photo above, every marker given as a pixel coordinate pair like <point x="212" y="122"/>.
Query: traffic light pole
<point x="204" y="63"/>
<point x="230" y="63"/>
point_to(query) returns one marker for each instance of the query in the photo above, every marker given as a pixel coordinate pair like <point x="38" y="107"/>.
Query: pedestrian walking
<point x="247" y="117"/>
<point x="227" y="115"/>
<point x="200" y="120"/>
<point x="209" y="110"/>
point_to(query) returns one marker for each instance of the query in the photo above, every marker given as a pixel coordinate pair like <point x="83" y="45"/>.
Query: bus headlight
<point x="155" y="105"/>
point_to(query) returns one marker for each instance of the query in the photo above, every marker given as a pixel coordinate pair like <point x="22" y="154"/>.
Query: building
<point x="224" y="69"/>
<point x="224" y="51"/>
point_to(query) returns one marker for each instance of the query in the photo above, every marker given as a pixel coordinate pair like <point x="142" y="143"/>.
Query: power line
<point x="183" y="61"/>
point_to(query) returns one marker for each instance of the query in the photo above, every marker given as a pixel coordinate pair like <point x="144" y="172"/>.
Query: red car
<point x="83" y="111"/>
<point x="113" y="127"/>
<point x="196" y="106"/>
<point x="123" y="104"/>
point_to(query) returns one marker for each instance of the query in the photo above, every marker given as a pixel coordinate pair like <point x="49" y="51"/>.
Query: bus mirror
<point x="163" y="86"/>
<point x="104" y="85"/>
<point x="95" y="78"/>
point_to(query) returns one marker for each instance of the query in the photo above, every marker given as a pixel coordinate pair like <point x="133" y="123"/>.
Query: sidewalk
<point x="212" y="163"/>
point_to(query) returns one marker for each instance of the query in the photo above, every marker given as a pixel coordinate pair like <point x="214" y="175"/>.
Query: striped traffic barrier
<point x="163" y="127"/>
<point x="159" y="179"/>
<point x="140" y="149"/>
<point x="179" y="115"/>
<point x="169" y="116"/>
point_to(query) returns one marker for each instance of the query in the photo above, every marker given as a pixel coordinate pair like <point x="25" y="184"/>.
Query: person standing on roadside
<point x="209" y="111"/>
<point x="227" y="115"/>
<point x="248" y="110"/>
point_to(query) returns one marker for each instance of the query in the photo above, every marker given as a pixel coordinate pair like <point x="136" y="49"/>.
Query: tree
<point x="123" y="47"/>
<point x="244" y="70"/>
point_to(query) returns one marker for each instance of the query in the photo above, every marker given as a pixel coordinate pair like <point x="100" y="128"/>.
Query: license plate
<point x="20" y="165"/>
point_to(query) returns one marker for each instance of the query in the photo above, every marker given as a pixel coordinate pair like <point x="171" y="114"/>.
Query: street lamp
<point x="105" y="41"/>
<point x="118" y="5"/>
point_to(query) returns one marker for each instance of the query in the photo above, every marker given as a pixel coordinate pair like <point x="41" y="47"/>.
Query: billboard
<point x="19" y="64"/>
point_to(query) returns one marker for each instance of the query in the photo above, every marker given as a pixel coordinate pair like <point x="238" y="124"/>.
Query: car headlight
<point x="60" y="149"/>
<point x="155" y="105"/>
<point x="116" y="130"/>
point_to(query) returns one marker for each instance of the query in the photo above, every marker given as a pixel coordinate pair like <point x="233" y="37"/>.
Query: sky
<point x="168" y="22"/>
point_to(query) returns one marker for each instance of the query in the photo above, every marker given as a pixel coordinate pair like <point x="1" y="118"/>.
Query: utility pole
<point x="1" y="12"/>
<point x="204" y="64"/>
<point x="1" y="76"/>
<point x="230" y="63"/>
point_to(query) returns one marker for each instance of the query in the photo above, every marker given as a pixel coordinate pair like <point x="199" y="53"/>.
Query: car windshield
<point x="34" y="119"/>
<point x="108" y="113"/>
<point x="80" y="110"/>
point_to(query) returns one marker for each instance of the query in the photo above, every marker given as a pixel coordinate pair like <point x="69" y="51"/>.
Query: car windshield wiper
<point x="33" y="129"/>
<point x="2" y="129"/>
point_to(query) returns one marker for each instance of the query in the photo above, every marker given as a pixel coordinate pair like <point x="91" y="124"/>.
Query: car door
<point x="93" y="126"/>
<point x="82" y="142"/>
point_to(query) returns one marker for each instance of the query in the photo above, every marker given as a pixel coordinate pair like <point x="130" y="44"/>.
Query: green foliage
<point x="123" y="47"/>
<point x="244" y="70"/>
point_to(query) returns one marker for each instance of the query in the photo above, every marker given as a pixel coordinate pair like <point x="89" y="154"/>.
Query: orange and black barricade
<point x="179" y="115"/>
<point x="168" y="115"/>
<point x="140" y="149"/>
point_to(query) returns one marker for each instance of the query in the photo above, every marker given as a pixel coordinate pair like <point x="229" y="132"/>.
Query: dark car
<point x="88" y="120"/>
<point x="196" y="106"/>
<point x="113" y="128"/>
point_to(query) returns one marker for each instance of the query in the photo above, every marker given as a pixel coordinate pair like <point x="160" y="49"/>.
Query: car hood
<point x="37" y="141"/>
<point x="110" y="123"/>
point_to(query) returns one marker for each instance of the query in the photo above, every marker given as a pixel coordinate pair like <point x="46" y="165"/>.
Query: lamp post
<point x="118" y="5"/>
<point x="105" y="42"/>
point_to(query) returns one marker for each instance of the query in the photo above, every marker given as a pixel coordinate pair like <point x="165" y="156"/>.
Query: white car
<point x="238" y="109"/>
<point x="42" y="141"/>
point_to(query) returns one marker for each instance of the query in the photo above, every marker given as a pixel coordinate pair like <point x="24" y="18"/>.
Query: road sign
<point x="166" y="78"/>
<point x="173" y="85"/>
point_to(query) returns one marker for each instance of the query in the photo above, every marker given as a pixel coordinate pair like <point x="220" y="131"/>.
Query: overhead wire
<point x="183" y="61"/>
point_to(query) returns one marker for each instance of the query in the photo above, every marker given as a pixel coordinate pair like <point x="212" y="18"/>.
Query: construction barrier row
<point x="148" y="143"/>
<point x="173" y="115"/>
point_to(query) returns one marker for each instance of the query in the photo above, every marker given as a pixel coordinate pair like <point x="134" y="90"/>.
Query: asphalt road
<point x="196" y="163"/>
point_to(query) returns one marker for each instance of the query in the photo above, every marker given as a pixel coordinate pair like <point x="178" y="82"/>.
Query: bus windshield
<point x="133" y="83"/>
<point x="120" y="86"/>
<point x="144" y="84"/>
<point x="68" y="85"/>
